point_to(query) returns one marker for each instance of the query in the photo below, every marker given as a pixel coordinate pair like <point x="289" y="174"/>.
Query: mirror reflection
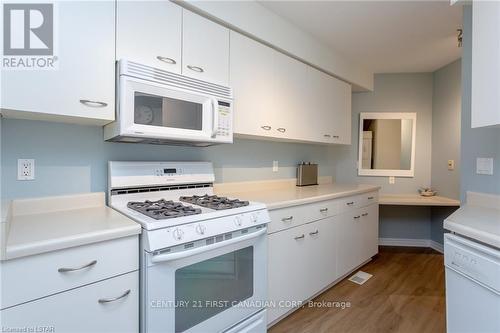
<point x="387" y="144"/>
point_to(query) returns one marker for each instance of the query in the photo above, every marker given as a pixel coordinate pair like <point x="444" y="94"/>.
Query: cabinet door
<point x="79" y="310"/>
<point x="485" y="98"/>
<point x="293" y="117"/>
<point x="287" y="271"/>
<point x="205" y="49"/>
<point x="350" y="241"/>
<point x="149" y="32"/>
<point x="252" y="80"/>
<point x="369" y="223"/>
<point x="329" y="108"/>
<point x="322" y="254"/>
<point x="82" y="88"/>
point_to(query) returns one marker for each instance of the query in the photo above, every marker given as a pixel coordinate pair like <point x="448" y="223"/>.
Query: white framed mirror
<point x="387" y="144"/>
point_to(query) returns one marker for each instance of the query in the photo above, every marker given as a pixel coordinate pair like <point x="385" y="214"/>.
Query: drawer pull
<point x="196" y="68"/>
<point x="323" y="210"/>
<point x="93" y="104"/>
<point x="109" y="300"/>
<point x="281" y="129"/>
<point x="266" y="128"/>
<point x="364" y="214"/>
<point x="350" y="203"/>
<point x="299" y="237"/>
<point x="357" y="217"/>
<point x="327" y="135"/>
<point x="66" y="270"/>
<point x="314" y="233"/>
<point x="370" y="198"/>
<point x="336" y="137"/>
<point x="166" y="60"/>
<point x="287" y="219"/>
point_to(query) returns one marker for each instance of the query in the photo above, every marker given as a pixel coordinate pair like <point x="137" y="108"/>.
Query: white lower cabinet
<point x="106" y="306"/>
<point x="315" y="251"/>
<point x="88" y="288"/>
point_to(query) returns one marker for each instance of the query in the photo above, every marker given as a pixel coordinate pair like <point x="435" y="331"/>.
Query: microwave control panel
<point x="225" y="119"/>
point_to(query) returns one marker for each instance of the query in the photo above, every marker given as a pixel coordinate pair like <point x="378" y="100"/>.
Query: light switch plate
<point x="451" y="165"/>
<point x="392" y="180"/>
<point x="484" y="166"/>
<point x="275" y="166"/>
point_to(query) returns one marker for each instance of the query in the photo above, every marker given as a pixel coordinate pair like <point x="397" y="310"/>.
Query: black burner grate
<point x="214" y="201"/>
<point x="163" y="209"/>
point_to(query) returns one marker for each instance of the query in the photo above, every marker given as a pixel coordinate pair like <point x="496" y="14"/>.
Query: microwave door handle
<point x="184" y="254"/>
<point x="215" y="117"/>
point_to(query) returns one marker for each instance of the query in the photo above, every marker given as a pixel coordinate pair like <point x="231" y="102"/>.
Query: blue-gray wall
<point x="72" y="158"/>
<point x="476" y="142"/>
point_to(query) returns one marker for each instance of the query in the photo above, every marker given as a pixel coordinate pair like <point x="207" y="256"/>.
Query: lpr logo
<point x="28" y="36"/>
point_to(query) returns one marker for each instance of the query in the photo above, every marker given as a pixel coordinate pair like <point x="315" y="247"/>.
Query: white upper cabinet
<point x="252" y="80"/>
<point x="330" y="102"/>
<point x="205" y="49"/>
<point x="149" y="32"/>
<point x="82" y="88"/>
<point x="282" y="98"/>
<point x="485" y="99"/>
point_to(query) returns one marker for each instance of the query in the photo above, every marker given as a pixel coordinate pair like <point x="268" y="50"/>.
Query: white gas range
<point x="203" y="257"/>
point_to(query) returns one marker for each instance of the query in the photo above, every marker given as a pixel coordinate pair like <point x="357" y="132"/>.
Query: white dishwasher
<point x="472" y="286"/>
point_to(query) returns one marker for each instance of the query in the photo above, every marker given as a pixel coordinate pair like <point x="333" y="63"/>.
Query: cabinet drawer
<point x="356" y="201"/>
<point x="66" y="269"/>
<point x="294" y="216"/>
<point x="111" y="305"/>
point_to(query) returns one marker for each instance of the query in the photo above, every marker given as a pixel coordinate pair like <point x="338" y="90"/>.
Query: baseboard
<point x="404" y="242"/>
<point x="436" y="246"/>
<point x="411" y="242"/>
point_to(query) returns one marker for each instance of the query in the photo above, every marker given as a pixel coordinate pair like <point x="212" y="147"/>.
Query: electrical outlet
<point x="275" y="166"/>
<point x="451" y="165"/>
<point x="392" y="180"/>
<point x="25" y="169"/>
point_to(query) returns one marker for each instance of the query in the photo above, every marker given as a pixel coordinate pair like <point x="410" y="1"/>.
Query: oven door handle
<point x="184" y="254"/>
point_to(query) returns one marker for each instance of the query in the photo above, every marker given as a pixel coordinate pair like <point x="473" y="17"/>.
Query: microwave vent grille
<point x="161" y="76"/>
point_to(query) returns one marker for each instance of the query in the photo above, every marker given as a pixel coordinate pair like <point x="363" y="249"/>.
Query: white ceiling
<point x="382" y="36"/>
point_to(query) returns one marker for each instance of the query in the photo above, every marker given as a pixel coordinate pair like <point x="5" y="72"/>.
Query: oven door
<point x="208" y="288"/>
<point x="151" y="110"/>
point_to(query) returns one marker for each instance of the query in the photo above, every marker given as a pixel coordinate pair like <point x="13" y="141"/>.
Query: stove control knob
<point x="254" y="218"/>
<point x="238" y="221"/>
<point x="178" y="233"/>
<point x="200" y="229"/>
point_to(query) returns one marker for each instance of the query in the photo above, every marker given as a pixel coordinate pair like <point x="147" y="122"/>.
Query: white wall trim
<point x="411" y="242"/>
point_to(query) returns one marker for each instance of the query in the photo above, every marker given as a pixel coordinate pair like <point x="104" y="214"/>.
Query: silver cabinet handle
<point x="370" y="198"/>
<point x="299" y="237"/>
<point x="266" y="127"/>
<point x="350" y="203"/>
<point x="65" y="270"/>
<point x="109" y="300"/>
<point x="364" y="214"/>
<point x="323" y="210"/>
<point x="167" y="60"/>
<point x="281" y="129"/>
<point x="195" y="68"/>
<point x="327" y="135"/>
<point x="93" y="104"/>
<point x="314" y="233"/>
<point x="287" y="219"/>
<point x="357" y="217"/>
<point x="336" y="137"/>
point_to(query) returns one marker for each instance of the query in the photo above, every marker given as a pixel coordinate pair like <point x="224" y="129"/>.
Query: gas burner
<point x="213" y="201"/>
<point x="163" y="209"/>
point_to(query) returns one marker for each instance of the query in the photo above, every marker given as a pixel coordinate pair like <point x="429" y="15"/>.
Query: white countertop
<point x="40" y="225"/>
<point x="479" y="219"/>
<point x="416" y="200"/>
<point x="281" y="194"/>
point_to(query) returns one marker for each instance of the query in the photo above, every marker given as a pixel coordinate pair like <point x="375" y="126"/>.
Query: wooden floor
<point x="405" y="294"/>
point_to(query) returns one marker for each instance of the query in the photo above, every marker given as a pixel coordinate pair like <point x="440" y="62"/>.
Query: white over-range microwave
<point x="160" y="107"/>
